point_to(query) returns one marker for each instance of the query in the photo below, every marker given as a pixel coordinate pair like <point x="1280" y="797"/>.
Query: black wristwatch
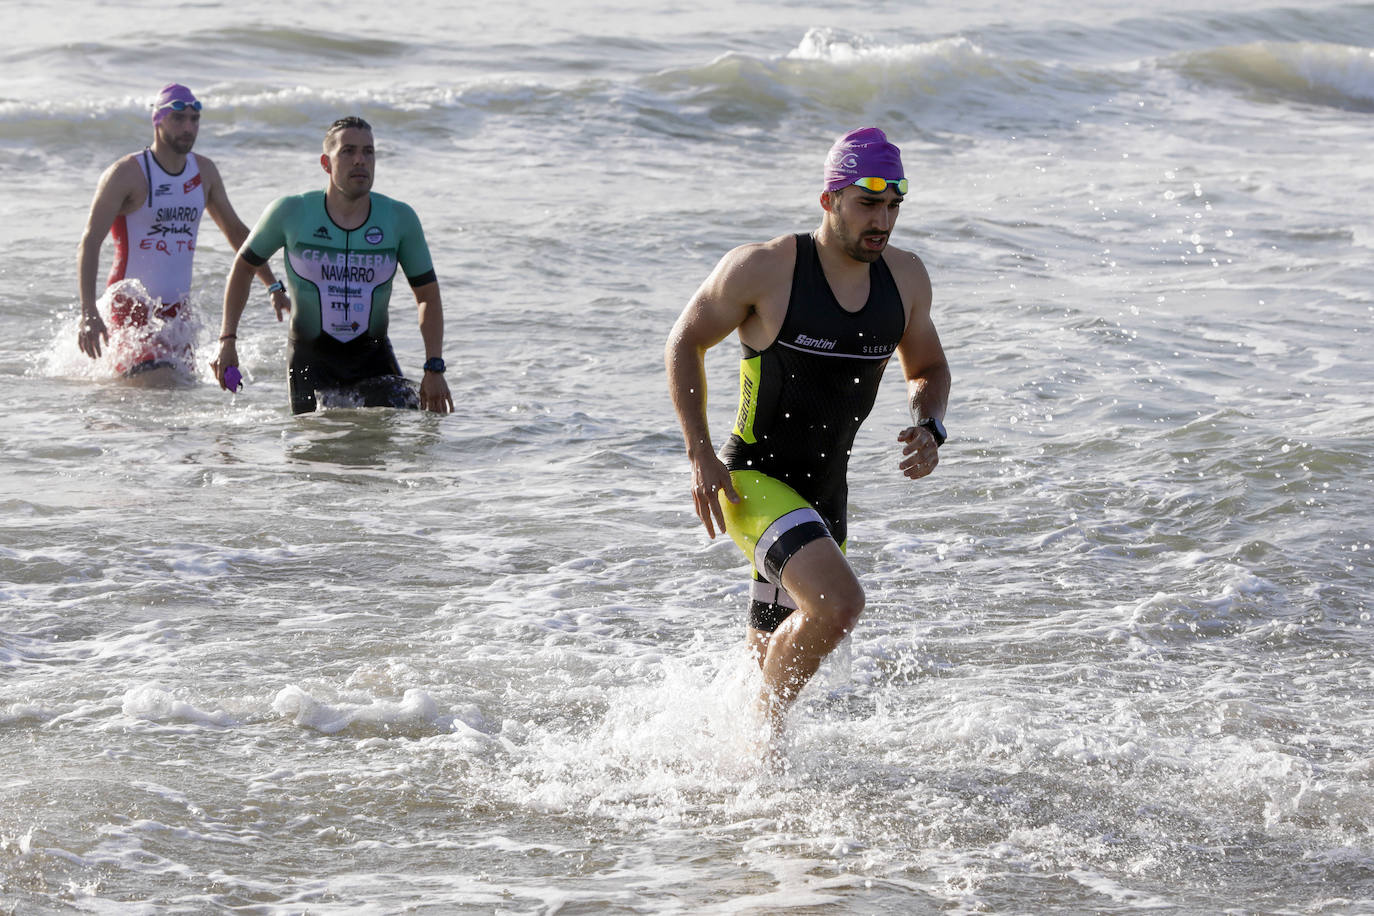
<point x="937" y="429"/>
<point x="435" y="364"/>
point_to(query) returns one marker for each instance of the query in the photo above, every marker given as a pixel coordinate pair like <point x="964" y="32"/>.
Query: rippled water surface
<point x="1117" y="651"/>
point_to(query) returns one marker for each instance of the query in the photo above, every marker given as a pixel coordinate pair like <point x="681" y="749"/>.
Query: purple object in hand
<point x="233" y="380"/>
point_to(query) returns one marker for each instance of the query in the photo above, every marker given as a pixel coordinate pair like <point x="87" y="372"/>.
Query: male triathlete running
<point x="343" y="247"/>
<point x="818" y="316"/>
<point x="151" y="202"/>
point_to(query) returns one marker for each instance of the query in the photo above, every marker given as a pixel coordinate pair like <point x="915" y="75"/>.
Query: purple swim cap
<point x="172" y="92"/>
<point x="862" y="153"/>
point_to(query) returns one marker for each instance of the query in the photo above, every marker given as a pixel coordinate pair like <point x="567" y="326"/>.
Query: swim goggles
<point x="180" y="105"/>
<point x="879" y="185"/>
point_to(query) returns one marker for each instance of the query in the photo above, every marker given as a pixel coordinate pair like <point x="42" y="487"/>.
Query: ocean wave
<point x="833" y="70"/>
<point x="286" y="109"/>
<point x="254" y="45"/>
<point x="840" y="76"/>
<point x="844" y="77"/>
<point x="344" y="47"/>
<point x="1331" y="75"/>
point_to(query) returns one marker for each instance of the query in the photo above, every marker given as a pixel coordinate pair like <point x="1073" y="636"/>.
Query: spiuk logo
<point x="162" y="190"/>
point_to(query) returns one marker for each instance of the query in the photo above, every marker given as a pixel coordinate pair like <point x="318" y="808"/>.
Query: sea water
<point x="1117" y="649"/>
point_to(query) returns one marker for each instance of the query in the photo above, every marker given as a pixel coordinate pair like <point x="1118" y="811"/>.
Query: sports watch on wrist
<point x="435" y="364"/>
<point x="276" y="286"/>
<point x="937" y="429"/>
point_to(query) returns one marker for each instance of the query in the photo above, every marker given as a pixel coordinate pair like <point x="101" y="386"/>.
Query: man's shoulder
<point x="204" y="164"/>
<point x="764" y="257"/>
<point x="290" y="204"/>
<point x="757" y="272"/>
<point x="288" y="214"/>
<point x="127" y="166"/>
<point x="124" y="182"/>
<point x="206" y="168"/>
<point x="909" y="273"/>
<point x="905" y="263"/>
<point x="398" y="209"/>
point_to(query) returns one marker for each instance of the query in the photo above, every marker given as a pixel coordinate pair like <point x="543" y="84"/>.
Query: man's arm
<point x="722" y="304"/>
<point x="235" y="299"/>
<point x="434" y="393"/>
<point x="120" y="190"/>
<point x="235" y="230"/>
<point x="924" y="367"/>
<point x="412" y="254"/>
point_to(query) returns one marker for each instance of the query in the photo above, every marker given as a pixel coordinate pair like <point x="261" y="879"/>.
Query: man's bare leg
<point x="829" y="602"/>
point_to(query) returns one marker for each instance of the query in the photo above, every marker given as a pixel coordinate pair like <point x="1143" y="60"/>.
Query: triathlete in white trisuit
<point x="151" y="203"/>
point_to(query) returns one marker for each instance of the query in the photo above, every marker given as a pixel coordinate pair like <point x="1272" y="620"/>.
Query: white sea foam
<point x="16" y="713"/>
<point x="414" y="708"/>
<point x="158" y="705"/>
<point x="170" y="341"/>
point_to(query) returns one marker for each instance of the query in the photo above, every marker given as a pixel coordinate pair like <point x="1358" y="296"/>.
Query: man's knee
<point x="842" y="602"/>
<point x="822" y="583"/>
<point x="841" y="608"/>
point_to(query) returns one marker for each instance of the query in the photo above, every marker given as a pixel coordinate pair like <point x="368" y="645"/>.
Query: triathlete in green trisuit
<point x="343" y="246"/>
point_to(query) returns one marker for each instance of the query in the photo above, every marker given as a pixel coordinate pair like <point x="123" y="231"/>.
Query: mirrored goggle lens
<point x="179" y="105"/>
<point x="879" y="185"/>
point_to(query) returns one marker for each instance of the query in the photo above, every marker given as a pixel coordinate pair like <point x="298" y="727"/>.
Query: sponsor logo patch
<point x="814" y="343"/>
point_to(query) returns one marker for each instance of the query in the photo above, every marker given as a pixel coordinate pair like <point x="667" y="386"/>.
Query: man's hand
<point x="434" y="394"/>
<point x="281" y="303"/>
<point x="709" y="478"/>
<point x="91" y="333"/>
<point x="228" y="356"/>
<point x="921" y="455"/>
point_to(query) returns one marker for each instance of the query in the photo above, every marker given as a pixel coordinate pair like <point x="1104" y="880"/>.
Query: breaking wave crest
<point x="1333" y="75"/>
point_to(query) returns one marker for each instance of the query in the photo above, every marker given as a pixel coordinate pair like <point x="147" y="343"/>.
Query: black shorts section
<point x="326" y="363"/>
<point x="767" y="617"/>
<point x="786" y="546"/>
<point x="395" y="391"/>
